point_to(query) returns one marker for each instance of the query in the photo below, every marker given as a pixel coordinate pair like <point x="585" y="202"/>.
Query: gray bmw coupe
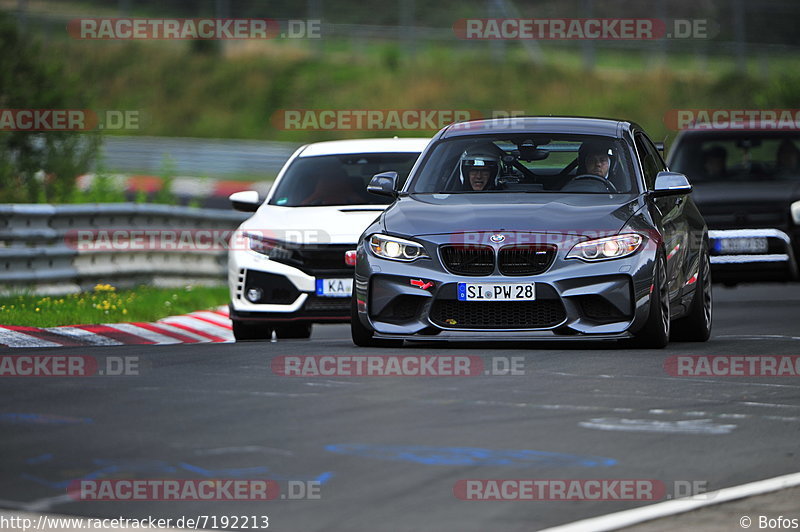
<point x="535" y="227"/>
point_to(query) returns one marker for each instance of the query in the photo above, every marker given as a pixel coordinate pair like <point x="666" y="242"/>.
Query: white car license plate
<point x="334" y="287"/>
<point x="496" y="292"/>
<point x="743" y="245"/>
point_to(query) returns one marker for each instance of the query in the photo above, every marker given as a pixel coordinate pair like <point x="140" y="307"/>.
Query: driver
<point x="594" y="158"/>
<point x="479" y="170"/>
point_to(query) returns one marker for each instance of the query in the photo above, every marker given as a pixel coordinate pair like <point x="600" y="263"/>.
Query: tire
<point x="655" y="333"/>
<point x="364" y="336"/>
<point x="696" y="326"/>
<point x="293" y="330"/>
<point x="251" y="331"/>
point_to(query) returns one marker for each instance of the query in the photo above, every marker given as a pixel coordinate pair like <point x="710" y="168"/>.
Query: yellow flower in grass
<point x="104" y="288"/>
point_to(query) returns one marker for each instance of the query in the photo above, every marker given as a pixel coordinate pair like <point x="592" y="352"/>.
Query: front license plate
<point x="496" y="292"/>
<point x="334" y="287"/>
<point x="742" y="245"/>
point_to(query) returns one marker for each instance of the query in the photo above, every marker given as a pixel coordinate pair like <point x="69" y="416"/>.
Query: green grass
<point x="236" y="94"/>
<point x="105" y="304"/>
<point x="180" y="90"/>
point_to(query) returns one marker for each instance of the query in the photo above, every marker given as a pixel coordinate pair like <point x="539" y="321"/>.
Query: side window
<point x="650" y="159"/>
<point x="656" y="154"/>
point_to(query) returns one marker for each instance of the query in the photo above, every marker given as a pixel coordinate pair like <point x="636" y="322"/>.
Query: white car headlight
<point x="613" y="247"/>
<point x="796" y="212"/>
<point x="394" y="248"/>
<point x="266" y="246"/>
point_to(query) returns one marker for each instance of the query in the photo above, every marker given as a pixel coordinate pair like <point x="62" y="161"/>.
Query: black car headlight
<point x="796" y="212"/>
<point x="613" y="247"/>
<point x="265" y="246"/>
<point x="394" y="248"/>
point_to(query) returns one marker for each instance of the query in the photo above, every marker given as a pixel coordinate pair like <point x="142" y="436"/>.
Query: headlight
<point x="393" y="248"/>
<point x="796" y="212"/>
<point x="612" y="247"/>
<point x="265" y="246"/>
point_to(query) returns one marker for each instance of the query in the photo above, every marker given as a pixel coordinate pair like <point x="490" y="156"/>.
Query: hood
<point x="432" y="214"/>
<point x="311" y="225"/>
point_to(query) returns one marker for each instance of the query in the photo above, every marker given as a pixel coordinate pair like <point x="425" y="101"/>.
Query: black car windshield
<point x="338" y="179"/>
<point x="533" y="163"/>
<point x="745" y="157"/>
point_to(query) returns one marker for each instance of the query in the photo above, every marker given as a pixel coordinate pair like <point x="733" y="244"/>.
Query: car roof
<point x="724" y="130"/>
<point x="388" y="145"/>
<point x="578" y="125"/>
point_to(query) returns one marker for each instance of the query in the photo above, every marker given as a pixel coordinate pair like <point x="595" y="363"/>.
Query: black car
<point x="747" y="186"/>
<point x="537" y="228"/>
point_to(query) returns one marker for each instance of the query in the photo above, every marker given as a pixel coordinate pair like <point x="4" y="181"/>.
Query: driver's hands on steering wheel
<point x="609" y="185"/>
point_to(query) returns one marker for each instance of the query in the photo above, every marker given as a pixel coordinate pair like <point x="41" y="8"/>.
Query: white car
<point x="286" y="265"/>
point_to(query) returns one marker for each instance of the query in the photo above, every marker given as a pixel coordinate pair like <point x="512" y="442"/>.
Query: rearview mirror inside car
<point x="384" y="184"/>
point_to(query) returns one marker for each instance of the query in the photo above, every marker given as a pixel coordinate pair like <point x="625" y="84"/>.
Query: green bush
<point x="39" y="166"/>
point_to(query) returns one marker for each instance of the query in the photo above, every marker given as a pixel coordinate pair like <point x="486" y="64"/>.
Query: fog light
<point x="254" y="295"/>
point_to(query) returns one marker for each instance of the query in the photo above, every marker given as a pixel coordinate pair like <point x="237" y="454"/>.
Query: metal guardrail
<point x="38" y="251"/>
<point x="196" y="157"/>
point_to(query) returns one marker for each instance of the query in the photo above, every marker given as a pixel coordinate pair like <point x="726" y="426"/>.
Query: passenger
<point x="715" y="162"/>
<point x="479" y="171"/>
<point x="787" y="160"/>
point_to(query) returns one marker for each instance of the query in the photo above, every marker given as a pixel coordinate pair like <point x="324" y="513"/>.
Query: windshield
<point x="527" y="163"/>
<point x="743" y="158"/>
<point x="338" y="179"/>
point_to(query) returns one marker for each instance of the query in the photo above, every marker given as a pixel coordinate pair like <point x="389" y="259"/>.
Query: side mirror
<point x="671" y="184"/>
<point x="246" y="200"/>
<point x="384" y="184"/>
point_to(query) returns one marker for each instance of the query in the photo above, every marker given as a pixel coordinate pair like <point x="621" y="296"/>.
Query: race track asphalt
<point x="386" y="452"/>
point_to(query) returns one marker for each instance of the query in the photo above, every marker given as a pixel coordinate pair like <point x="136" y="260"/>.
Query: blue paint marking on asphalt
<point x="103" y="468"/>
<point x="469" y="456"/>
<point x="43" y="419"/>
<point x="324" y="477"/>
<point x="39" y="459"/>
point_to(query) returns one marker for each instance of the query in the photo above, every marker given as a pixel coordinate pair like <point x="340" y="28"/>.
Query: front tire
<point x="250" y="331"/>
<point x="655" y="333"/>
<point x="364" y="336"/>
<point x="294" y="330"/>
<point x="696" y="327"/>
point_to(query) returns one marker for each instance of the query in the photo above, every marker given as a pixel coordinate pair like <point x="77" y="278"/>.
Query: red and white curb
<point x="203" y="326"/>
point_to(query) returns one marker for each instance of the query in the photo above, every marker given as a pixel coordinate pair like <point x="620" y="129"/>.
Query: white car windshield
<point x="338" y="179"/>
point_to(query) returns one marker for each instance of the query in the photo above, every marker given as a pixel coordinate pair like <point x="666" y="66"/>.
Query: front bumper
<point x="777" y="263"/>
<point x="289" y="293"/>
<point x="574" y="299"/>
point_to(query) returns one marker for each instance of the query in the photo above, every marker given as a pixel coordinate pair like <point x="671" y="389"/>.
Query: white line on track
<point x="759" y="336"/>
<point x="726" y="380"/>
<point x="687" y="426"/>
<point x="625" y="518"/>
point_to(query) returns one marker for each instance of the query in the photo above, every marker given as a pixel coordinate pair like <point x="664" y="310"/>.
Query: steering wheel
<point x="609" y="185"/>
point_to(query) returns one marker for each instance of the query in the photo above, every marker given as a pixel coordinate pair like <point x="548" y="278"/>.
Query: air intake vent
<point x="468" y="260"/>
<point x="525" y="260"/>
